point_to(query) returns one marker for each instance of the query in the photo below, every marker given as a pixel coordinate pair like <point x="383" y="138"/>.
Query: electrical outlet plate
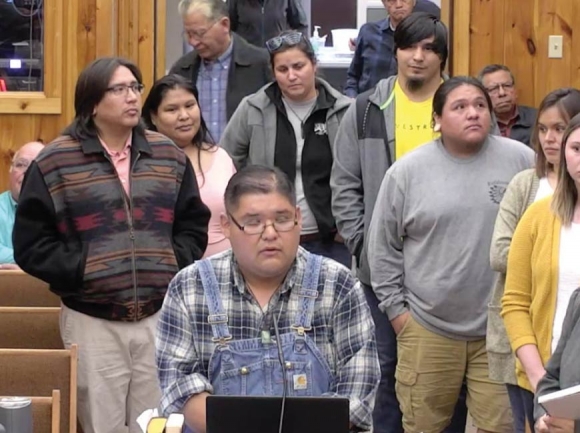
<point x="555" y="46"/>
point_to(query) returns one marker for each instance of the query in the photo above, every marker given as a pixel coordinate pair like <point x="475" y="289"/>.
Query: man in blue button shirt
<point x="374" y="56"/>
<point x="8" y="199"/>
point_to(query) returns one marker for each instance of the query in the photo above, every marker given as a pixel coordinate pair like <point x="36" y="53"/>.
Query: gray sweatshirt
<point x="430" y="233"/>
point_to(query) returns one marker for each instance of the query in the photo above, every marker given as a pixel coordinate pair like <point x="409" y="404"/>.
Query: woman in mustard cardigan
<point x="554" y="114"/>
<point x="543" y="270"/>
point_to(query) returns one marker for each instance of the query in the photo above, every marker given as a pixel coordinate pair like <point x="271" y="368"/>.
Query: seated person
<point x="8" y="200"/>
<point x="264" y="283"/>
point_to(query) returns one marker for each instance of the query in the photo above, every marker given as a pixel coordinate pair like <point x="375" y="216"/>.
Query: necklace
<point x="301" y="119"/>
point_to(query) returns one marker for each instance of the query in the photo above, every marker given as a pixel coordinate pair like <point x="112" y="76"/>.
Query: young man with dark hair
<point x="215" y="334"/>
<point x="107" y="215"/>
<point x="374" y="54"/>
<point x="380" y="127"/>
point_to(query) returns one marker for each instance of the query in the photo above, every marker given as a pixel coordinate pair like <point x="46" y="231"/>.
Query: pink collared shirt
<point x="122" y="161"/>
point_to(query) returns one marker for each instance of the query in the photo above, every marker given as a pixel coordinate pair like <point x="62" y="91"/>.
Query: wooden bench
<point x="30" y="328"/>
<point x="18" y="289"/>
<point x="39" y="372"/>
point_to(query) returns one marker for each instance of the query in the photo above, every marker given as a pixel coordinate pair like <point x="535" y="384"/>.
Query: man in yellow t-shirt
<point x="412" y="122"/>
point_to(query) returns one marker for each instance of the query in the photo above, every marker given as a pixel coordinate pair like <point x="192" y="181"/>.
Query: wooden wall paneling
<point x="160" y="23"/>
<point x="554" y="18"/>
<point x="575" y="49"/>
<point x="72" y="68"/>
<point x="461" y="37"/>
<point x="487" y="34"/>
<point x="86" y="36"/>
<point x="106" y="25"/>
<point x="146" y="41"/>
<point x="128" y="29"/>
<point x="524" y="47"/>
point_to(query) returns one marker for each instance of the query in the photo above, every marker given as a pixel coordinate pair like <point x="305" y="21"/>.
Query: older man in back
<point x="515" y="121"/>
<point x="9" y="199"/>
<point x="223" y="66"/>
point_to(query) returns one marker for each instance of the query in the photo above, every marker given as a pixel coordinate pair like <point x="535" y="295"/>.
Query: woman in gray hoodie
<point x="291" y="124"/>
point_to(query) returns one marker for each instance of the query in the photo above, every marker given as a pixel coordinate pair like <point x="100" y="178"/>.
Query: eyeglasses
<point x="197" y="35"/>
<point x="258" y="227"/>
<point x="288" y="40"/>
<point x="495" y="89"/>
<point x="20" y="165"/>
<point x="123" y="89"/>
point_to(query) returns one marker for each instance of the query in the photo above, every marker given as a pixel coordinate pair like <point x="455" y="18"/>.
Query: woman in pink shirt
<point x="171" y="108"/>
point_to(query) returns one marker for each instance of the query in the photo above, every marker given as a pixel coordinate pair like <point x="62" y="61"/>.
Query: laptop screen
<point x="240" y="414"/>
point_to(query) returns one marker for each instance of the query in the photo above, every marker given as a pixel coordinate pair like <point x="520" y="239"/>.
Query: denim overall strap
<point x="217" y="318"/>
<point x="308" y="293"/>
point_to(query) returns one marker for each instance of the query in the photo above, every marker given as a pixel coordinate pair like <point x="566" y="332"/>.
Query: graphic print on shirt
<point x="320" y="129"/>
<point x="497" y="190"/>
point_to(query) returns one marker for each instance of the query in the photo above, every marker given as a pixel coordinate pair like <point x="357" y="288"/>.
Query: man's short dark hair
<point x="419" y="26"/>
<point x="490" y="69"/>
<point x="258" y="179"/>
<point x="91" y="87"/>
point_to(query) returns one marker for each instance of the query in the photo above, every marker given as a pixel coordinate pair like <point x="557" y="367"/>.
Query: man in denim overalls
<point x="216" y="334"/>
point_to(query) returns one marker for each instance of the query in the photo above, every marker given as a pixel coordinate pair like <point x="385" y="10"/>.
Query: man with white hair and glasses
<point x="223" y="66"/>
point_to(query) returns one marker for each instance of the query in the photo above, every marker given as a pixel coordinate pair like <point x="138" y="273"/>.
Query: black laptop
<point x="238" y="414"/>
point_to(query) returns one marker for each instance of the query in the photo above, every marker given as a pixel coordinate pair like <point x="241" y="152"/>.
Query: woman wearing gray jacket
<point x="291" y="124"/>
<point x="554" y="114"/>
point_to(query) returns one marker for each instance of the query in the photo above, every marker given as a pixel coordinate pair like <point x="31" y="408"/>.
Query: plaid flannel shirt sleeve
<point x="179" y="366"/>
<point x="358" y="370"/>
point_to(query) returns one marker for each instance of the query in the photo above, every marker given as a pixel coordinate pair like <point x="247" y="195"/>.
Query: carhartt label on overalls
<point x="300" y="382"/>
<point x="266" y="338"/>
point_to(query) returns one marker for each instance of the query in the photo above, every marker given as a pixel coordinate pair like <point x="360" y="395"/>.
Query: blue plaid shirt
<point x="342" y="329"/>
<point x="374" y="58"/>
<point x="212" y="84"/>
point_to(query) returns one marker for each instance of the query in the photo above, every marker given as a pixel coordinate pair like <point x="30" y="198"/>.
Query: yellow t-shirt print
<point x="412" y="123"/>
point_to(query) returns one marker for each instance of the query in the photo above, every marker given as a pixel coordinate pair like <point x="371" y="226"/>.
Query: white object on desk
<point x="562" y="404"/>
<point x="329" y="58"/>
<point x="340" y="38"/>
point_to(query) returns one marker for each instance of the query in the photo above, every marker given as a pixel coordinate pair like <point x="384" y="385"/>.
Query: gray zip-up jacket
<point x="358" y="170"/>
<point x="250" y="137"/>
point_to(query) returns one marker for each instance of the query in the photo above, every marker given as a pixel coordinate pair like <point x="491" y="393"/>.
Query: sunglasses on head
<point x="287" y="40"/>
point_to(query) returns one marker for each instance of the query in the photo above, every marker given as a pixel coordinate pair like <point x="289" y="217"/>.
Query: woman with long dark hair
<point x="171" y="108"/>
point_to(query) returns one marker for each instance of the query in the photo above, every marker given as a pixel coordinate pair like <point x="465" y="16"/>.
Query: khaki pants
<point x="429" y="375"/>
<point x="117" y="375"/>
